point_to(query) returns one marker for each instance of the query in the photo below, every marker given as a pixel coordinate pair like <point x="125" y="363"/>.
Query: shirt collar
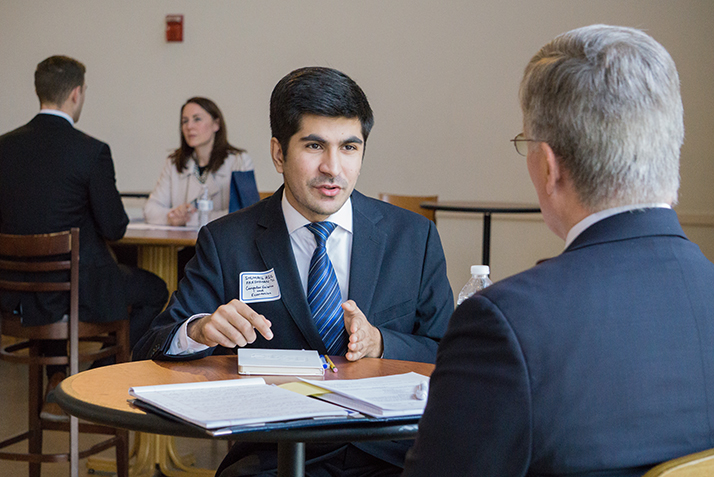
<point x="294" y="220"/>
<point x="591" y="219"/>
<point x="61" y="114"/>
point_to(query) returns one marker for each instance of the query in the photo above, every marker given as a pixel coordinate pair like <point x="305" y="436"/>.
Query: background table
<point x="485" y="208"/>
<point x="101" y="395"/>
<point x="157" y="250"/>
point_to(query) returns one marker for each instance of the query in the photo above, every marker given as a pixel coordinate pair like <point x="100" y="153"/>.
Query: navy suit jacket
<point x="397" y="278"/>
<point x="54" y="177"/>
<point x="597" y="362"/>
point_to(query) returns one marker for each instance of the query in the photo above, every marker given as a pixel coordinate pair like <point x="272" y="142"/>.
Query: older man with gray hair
<point x="599" y="361"/>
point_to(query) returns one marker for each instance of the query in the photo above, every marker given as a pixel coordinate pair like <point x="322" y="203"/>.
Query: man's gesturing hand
<point x="233" y="324"/>
<point x="365" y="339"/>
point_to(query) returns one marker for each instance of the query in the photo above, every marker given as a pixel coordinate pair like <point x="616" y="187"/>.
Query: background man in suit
<point x="599" y="361"/>
<point x="393" y="299"/>
<point x="55" y="177"/>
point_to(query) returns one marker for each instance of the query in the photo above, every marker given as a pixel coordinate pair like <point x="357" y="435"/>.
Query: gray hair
<point x="606" y="99"/>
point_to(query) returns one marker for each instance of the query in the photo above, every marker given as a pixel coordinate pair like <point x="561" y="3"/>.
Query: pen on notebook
<point x="331" y="364"/>
<point x="421" y="391"/>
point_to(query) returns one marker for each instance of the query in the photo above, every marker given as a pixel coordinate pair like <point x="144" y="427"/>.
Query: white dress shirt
<point x="603" y="214"/>
<point x="339" y="243"/>
<point x="302" y="241"/>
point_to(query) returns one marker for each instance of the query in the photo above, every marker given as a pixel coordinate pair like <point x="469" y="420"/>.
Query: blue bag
<point x="244" y="190"/>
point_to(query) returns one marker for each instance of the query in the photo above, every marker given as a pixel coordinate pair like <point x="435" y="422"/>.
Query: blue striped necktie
<point x="323" y="293"/>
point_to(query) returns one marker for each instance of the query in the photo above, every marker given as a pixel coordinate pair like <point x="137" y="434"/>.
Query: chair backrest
<point x="29" y="253"/>
<point x="29" y="263"/>
<point x="411" y="202"/>
<point x="265" y="194"/>
<point x="700" y="464"/>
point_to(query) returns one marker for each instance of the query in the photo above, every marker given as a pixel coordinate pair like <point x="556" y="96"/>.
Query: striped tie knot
<point x="321" y="231"/>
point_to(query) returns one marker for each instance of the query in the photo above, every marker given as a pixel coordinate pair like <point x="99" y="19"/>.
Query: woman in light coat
<point x="205" y="159"/>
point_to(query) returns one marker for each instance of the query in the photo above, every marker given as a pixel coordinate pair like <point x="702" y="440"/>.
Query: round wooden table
<point x="102" y="395"/>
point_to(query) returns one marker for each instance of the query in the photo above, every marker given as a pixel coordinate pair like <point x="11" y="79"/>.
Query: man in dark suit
<point x="599" y="361"/>
<point x="393" y="299"/>
<point x="55" y="177"/>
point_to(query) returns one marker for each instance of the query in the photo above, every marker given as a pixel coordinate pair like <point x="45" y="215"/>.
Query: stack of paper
<point x="384" y="396"/>
<point x="291" y="362"/>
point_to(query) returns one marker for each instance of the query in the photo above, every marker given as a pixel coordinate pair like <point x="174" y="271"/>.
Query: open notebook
<point x="235" y="402"/>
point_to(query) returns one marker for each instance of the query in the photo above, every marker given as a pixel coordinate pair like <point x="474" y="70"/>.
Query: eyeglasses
<point x="520" y="143"/>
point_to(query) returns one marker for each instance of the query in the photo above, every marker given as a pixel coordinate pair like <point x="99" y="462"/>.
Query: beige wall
<point x="442" y="77"/>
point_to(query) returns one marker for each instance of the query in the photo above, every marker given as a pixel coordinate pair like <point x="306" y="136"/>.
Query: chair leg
<point x="122" y="453"/>
<point x="35" y="398"/>
<point x="73" y="446"/>
<point x="122" y="339"/>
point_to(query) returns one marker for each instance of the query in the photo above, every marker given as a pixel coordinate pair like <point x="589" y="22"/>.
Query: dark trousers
<point x="321" y="460"/>
<point x="146" y="294"/>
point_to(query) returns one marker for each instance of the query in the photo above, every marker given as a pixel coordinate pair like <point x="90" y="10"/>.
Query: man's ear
<point x="553" y="171"/>
<point x="75" y="94"/>
<point x="72" y="99"/>
<point x="276" y="153"/>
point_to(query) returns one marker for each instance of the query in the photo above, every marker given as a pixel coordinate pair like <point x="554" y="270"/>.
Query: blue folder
<point x="244" y="190"/>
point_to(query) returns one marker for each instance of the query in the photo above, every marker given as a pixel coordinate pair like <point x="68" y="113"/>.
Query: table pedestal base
<point x="154" y="452"/>
<point x="162" y="261"/>
<point x="291" y="459"/>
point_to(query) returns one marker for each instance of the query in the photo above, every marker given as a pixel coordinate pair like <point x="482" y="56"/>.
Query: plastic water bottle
<point x="478" y="281"/>
<point x="205" y="206"/>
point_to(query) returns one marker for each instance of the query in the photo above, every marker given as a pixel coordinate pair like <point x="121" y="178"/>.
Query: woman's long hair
<point x="221" y="147"/>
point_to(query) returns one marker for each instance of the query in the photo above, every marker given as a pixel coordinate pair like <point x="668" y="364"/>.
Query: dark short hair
<point x="56" y="77"/>
<point x="221" y="147"/>
<point x="319" y="91"/>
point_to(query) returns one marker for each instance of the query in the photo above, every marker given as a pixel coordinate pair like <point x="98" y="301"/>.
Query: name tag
<point x="259" y="286"/>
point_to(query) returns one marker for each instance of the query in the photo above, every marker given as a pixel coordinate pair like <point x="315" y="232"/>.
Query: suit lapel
<point x="273" y="244"/>
<point x="368" y="246"/>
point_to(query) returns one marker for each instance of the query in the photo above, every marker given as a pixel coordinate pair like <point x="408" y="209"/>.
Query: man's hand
<point x="365" y="339"/>
<point x="233" y="324"/>
<point x="180" y="214"/>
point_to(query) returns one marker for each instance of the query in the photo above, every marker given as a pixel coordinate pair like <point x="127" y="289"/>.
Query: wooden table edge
<point x="135" y="419"/>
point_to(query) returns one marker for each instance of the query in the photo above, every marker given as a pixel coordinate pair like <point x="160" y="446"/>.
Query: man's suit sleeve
<point x="104" y="199"/>
<point x="435" y="304"/>
<point x="201" y="291"/>
<point x="478" y="415"/>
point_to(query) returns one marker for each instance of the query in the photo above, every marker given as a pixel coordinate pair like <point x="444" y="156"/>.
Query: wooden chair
<point x="700" y="464"/>
<point x="411" y="202"/>
<point x="264" y="194"/>
<point x="26" y="257"/>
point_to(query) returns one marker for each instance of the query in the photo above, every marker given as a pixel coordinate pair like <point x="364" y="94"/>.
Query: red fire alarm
<point x="174" y="27"/>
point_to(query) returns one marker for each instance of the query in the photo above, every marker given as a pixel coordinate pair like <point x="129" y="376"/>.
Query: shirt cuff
<point x="182" y="344"/>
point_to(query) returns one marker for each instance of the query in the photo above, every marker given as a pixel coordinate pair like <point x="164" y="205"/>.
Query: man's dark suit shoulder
<point x="56" y="177"/>
<point x="578" y="355"/>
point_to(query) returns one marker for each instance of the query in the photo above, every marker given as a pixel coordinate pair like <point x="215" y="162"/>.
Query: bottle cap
<point x="480" y="270"/>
